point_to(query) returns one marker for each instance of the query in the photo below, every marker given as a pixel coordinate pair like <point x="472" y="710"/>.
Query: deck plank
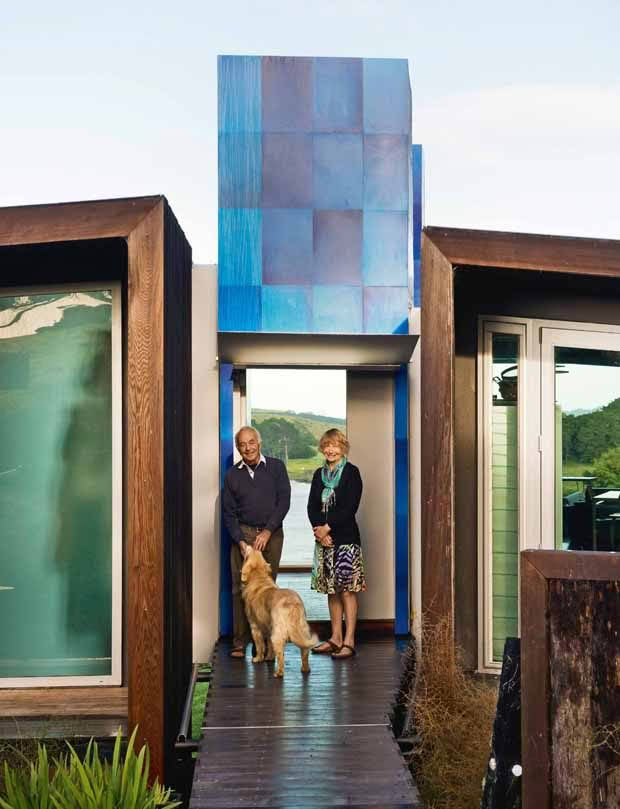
<point x="322" y="739"/>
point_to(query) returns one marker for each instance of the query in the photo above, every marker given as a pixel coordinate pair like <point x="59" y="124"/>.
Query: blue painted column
<point x="417" y="211"/>
<point x="226" y="459"/>
<point x="401" y="499"/>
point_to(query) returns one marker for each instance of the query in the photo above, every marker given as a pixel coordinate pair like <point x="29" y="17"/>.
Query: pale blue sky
<point x="517" y="104"/>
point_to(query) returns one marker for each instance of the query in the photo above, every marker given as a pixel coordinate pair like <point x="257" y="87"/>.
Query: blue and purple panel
<point x="314" y="194"/>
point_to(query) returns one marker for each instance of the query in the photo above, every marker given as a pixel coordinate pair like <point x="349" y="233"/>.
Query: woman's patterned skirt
<point x="338" y="570"/>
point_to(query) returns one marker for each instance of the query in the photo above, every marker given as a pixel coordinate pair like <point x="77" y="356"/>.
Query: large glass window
<point x="292" y="408"/>
<point x="60" y="486"/>
<point x="587" y="448"/>
<point x="501" y="376"/>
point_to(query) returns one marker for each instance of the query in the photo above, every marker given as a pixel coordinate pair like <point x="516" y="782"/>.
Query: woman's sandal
<point x="339" y="656"/>
<point x="332" y="647"/>
<point x="237" y="653"/>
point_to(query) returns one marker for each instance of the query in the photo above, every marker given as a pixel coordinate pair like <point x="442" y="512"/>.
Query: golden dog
<point x="275" y="613"/>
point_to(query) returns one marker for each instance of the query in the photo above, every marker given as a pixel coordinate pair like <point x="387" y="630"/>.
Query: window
<point x="60" y="486"/>
<point x="501" y="433"/>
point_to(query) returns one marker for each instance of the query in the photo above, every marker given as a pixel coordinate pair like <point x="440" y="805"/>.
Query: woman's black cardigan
<point x="341" y="515"/>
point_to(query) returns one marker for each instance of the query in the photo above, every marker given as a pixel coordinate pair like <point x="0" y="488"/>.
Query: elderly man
<point x="255" y="501"/>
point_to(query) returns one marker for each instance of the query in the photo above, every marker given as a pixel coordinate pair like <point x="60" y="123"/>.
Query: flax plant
<point x="70" y="783"/>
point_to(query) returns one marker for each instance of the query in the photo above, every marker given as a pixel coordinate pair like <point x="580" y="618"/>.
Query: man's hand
<point x="262" y="538"/>
<point x="243" y="547"/>
<point x="321" y="531"/>
<point x="326" y="541"/>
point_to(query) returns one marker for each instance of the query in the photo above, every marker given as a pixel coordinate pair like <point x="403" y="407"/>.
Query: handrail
<point x="187" y="708"/>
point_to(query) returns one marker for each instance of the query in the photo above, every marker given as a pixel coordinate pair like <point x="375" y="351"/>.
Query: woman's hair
<point x="334" y="436"/>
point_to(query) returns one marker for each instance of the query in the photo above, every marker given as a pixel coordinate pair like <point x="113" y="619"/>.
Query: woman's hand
<point x="326" y="541"/>
<point x="321" y="531"/>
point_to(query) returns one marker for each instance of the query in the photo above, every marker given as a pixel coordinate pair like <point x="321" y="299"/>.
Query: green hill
<point x="305" y="431"/>
<point x="316" y="424"/>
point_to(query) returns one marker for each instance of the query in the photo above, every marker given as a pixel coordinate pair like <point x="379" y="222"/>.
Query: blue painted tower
<point x="315" y="167"/>
<point x="320" y="212"/>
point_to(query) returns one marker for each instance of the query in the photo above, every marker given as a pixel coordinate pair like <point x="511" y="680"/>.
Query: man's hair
<point x="252" y="429"/>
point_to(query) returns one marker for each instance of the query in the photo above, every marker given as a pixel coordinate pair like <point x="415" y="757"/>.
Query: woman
<point x="338" y="568"/>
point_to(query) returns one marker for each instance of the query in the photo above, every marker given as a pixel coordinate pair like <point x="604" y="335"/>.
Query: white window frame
<point x="486" y="328"/>
<point x="115" y="676"/>
<point x="536" y="447"/>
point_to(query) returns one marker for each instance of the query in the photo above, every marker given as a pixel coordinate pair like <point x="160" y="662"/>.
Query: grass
<point x="199" y="702"/>
<point x="302" y="469"/>
<point x="574" y="469"/>
<point x="453" y="714"/>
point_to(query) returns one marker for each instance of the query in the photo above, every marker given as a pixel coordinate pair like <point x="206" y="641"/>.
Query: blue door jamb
<point x="401" y="499"/>
<point x="226" y="458"/>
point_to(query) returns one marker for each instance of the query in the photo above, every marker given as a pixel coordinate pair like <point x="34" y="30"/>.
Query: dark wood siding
<point x="178" y="477"/>
<point x="139" y="242"/>
<point x="500" y="293"/>
<point x="437" y="434"/>
<point x="569" y="693"/>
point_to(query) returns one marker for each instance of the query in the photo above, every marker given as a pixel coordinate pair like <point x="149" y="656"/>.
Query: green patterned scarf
<point x="331" y="478"/>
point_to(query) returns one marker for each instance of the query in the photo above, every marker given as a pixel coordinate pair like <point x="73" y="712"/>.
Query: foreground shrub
<point x="72" y="783"/>
<point x="453" y="713"/>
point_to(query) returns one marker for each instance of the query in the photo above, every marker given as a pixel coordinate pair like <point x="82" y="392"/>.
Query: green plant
<point x="70" y="783"/>
<point x="606" y="468"/>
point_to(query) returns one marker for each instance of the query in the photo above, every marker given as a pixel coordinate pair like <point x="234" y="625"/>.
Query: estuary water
<point x="298" y="537"/>
<point x="298" y="550"/>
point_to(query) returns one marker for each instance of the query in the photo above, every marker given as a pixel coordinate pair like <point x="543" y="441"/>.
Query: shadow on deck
<point x="322" y="739"/>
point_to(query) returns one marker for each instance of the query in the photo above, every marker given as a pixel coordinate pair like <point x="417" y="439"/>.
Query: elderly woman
<point x="338" y="568"/>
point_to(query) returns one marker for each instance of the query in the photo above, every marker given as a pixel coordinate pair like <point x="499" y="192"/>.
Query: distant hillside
<point x="313" y="422"/>
<point x="586" y="436"/>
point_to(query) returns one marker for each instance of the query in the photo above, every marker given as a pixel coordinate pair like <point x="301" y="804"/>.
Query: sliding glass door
<point x="580" y="407"/>
<point x="60" y="487"/>
<point x="548" y="455"/>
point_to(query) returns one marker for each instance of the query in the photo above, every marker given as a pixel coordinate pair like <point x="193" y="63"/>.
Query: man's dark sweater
<point x="262" y="501"/>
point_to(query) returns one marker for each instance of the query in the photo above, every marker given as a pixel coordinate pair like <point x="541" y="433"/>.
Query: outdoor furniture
<point x="612" y="529"/>
<point x="612" y="494"/>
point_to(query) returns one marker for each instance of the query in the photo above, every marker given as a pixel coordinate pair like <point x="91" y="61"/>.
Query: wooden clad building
<point x="520" y="364"/>
<point x="95" y="397"/>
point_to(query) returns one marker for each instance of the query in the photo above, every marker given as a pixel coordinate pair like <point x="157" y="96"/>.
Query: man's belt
<point x="256" y="528"/>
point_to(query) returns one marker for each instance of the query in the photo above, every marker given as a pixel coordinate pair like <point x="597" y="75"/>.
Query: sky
<point x="302" y="390"/>
<point x="517" y="105"/>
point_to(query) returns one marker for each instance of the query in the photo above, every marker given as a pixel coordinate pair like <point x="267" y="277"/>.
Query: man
<point x="255" y="501"/>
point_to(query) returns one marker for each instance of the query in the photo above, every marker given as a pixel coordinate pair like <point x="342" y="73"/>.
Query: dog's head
<point x="254" y="562"/>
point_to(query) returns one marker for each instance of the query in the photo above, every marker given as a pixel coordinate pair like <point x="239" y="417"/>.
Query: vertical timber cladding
<point x="584" y="621"/>
<point x="437" y="436"/>
<point x="158" y="459"/>
<point x="157" y="441"/>
<point x="570" y="618"/>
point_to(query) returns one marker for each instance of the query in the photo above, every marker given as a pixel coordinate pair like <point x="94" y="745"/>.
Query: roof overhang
<point x="371" y="351"/>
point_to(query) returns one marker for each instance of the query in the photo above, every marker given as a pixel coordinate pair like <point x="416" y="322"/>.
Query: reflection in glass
<point x="587" y="449"/>
<point x="504" y="488"/>
<point x="55" y="484"/>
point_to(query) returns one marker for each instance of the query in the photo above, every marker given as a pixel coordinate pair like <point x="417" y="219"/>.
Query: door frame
<point x="536" y="449"/>
<point x="402" y="493"/>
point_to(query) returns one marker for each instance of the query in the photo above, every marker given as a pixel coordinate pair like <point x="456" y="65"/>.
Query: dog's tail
<point x="300" y="633"/>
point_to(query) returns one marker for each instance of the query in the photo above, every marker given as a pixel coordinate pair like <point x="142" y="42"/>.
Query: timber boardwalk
<point x="307" y="741"/>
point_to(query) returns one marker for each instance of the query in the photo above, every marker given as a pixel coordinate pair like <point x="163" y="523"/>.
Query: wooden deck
<point x="322" y="739"/>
